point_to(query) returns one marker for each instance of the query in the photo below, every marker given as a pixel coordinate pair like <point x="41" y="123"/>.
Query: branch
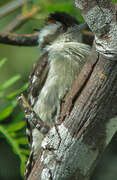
<point x="11" y="6"/>
<point x="19" y="40"/>
<point x="89" y="115"/>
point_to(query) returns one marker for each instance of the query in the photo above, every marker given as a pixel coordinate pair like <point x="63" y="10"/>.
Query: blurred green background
<point x="20" y="61"/>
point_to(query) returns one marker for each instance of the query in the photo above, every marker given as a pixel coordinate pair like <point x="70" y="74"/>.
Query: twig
<point x="19" y="40"/>
<point x="9" y="7"/>
<point x="20" y="19"/>
<point x="31" y="115"/>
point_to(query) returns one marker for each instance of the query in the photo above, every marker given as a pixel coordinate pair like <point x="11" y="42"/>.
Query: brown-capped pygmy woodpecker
<point x="62" y="56"/>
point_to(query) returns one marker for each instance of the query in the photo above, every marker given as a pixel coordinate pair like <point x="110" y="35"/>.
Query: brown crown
<point x="66" y="19"/>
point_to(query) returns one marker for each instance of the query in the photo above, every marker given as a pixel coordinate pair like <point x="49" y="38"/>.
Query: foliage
<point x="12" y="130"/>
<point x="114" y="1"/>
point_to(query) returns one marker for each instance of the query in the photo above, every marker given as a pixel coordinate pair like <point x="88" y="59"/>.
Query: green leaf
<point x="19" y="116"/>
<point x="7" y="111"/>
<point x="12" y="134"/>
<point x="15" y="93"/>
<point x="22" y="140"/>
<point x="10" y="82"/>
<point x="2" y="62"/>
<point x="23" y="160"/>
<point x="16" y="126"/>
<point x="114" y="1"/>
<point x="25" y="151"/>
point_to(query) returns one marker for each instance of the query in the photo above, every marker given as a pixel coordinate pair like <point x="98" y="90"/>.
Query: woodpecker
<point x="62" y="56"/>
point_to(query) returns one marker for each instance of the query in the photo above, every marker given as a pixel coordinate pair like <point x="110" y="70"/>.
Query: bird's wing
<point x="37" y="78"/>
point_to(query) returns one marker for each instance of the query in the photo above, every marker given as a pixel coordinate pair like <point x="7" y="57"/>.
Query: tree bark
<point x="88" y="118"/>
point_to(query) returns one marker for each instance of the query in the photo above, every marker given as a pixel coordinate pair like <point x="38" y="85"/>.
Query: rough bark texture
<point x="89" y="114"/>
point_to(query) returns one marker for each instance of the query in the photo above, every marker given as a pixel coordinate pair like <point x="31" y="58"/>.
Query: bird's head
<point x="56" y="24"/>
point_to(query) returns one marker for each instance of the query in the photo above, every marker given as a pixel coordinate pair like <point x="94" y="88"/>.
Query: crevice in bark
<point x="82" y="87"/>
